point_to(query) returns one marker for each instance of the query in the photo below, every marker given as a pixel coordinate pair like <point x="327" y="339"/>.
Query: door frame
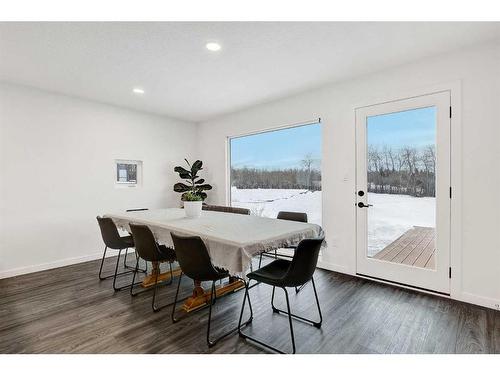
<point x="431" y="279"/>
<point x="455" y="89"/>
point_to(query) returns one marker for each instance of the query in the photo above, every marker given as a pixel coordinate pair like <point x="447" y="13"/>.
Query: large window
<point x="278" y="170"/>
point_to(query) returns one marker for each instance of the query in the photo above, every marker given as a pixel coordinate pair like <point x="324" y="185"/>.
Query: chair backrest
<point x="304" y="262"/>
<point x="292" y="216"/>
<point x="109" y="233"/>
<point x="193" y="258"/>
<point x="145" y="243"/>
<point x="233" y="210"/>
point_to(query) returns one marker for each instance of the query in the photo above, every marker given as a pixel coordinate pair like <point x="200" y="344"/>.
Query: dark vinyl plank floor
<point x="68" y="310"/>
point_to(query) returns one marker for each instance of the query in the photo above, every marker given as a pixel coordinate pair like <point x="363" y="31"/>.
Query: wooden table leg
<point x="201" y="297"/>
<point x="150" y="279"/>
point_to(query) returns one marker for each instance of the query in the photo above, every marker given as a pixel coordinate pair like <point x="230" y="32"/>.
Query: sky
<point x="416" y="127"/>
<point x="279" y="149"/>
<point x="286" y="148"/>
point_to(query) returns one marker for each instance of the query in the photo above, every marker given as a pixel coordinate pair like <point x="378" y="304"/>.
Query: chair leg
<point x="299" y="288"/>
<point x="315" y="324"/>
<point x="117" y="289"/>
<point x="212" y="301"/>
<point x="133" y="279"/>
<point x="158" y="308"/>
<point x="290" y="320"/>
<point x="260" y="260"/>
<point x="247" y="295"/>
<point x="145" y="270"/>
<point x="133" y="284"/>
<point x="318" y="324"/>
<point x="125" y="258"/>
<point x="126" y="266"/>
<point x="171" y="274"/>
<point x="133" y="271"/>
<point x="213" y="297"/>
<point x="116" y="270"/>
<point x="113" y="275"/>
<point x="102" y="263"/>
<point x="153" y="304"/>
<point x="174" y="319"/>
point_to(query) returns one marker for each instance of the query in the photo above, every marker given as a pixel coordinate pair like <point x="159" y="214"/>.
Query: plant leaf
<point x="181" y="188"/>
<point x="197" y="165"/>
<point x="200" y="181"/>
<point x="204" y="187"/>
<point x="180" y="170"/>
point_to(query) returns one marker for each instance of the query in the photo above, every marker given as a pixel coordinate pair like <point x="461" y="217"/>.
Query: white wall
<point x="57" y="173"/>
<point x="476" y="248"/>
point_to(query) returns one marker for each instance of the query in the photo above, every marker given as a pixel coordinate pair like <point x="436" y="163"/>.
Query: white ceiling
<point x="258" y="62"/>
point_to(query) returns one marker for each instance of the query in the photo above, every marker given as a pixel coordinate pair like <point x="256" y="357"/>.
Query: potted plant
<point x="192" y="204"/>
<point x="193" y="191"/>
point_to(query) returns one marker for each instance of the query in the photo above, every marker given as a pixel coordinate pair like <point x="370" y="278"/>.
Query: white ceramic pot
<point x="193" y="209"/>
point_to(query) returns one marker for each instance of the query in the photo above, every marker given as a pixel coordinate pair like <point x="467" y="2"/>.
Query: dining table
<point x="232" y="240"/>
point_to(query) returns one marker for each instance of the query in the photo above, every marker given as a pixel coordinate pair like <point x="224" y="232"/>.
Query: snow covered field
<point x="268" y="202"/>
<point x="390" y="216"/>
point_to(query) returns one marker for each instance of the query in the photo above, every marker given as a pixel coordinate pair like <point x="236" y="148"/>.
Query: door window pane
<point x="401" y="175"/>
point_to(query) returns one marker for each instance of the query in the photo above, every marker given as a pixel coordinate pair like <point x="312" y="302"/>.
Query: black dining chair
<point x="285" y="215"/>
<point x="228" y="209"/>
<point x="282" y="273"/>
<point x="113" y="240"/>
<point x="149" y="250"/>
<point x="195" y="263"/>
<point x="126" y="250"/>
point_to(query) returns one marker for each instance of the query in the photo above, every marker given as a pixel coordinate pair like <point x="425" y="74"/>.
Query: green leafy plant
<point x="194" y="184"/>
<point x="191" y="197"/>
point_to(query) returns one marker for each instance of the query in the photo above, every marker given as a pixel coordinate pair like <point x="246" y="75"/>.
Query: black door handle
<point x="362" y="205"/>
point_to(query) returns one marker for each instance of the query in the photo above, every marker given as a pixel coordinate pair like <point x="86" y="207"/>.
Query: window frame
<point x="229" y="138"/>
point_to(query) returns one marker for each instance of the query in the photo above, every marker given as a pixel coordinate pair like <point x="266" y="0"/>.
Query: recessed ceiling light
<point x="213" y="46"/>
<point x="138" y="90"/>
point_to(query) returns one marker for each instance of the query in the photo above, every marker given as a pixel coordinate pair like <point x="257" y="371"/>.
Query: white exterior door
<point x="403" y="191"/>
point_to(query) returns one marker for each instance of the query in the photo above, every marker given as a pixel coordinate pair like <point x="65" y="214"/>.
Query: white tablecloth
<point x="231" y="239"/>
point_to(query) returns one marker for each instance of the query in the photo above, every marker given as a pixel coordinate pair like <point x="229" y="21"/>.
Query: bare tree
<point x="307" y="164"/>
<point x="407" y="170"/>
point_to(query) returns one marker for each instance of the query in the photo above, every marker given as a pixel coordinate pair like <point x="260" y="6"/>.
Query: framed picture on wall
<point x="128" y="173"/>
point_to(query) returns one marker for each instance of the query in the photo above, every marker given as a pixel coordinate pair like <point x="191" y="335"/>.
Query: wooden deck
<point x="416" y="247"/>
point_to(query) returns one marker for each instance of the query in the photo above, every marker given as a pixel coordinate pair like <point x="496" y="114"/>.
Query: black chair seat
<point x="167" y="254"/>
<point x="272" y="273"/>
<point x="128" y="241"/>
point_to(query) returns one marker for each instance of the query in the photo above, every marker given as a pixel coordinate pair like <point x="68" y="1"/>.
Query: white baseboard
<point x="56" y="264"/>
<point x="462" y="297"/>
<point x="333" y="267"/>
<point x="478" y="300"/>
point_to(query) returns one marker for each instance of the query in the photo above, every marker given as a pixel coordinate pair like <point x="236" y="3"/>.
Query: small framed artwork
<point x="128" y="173"/>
